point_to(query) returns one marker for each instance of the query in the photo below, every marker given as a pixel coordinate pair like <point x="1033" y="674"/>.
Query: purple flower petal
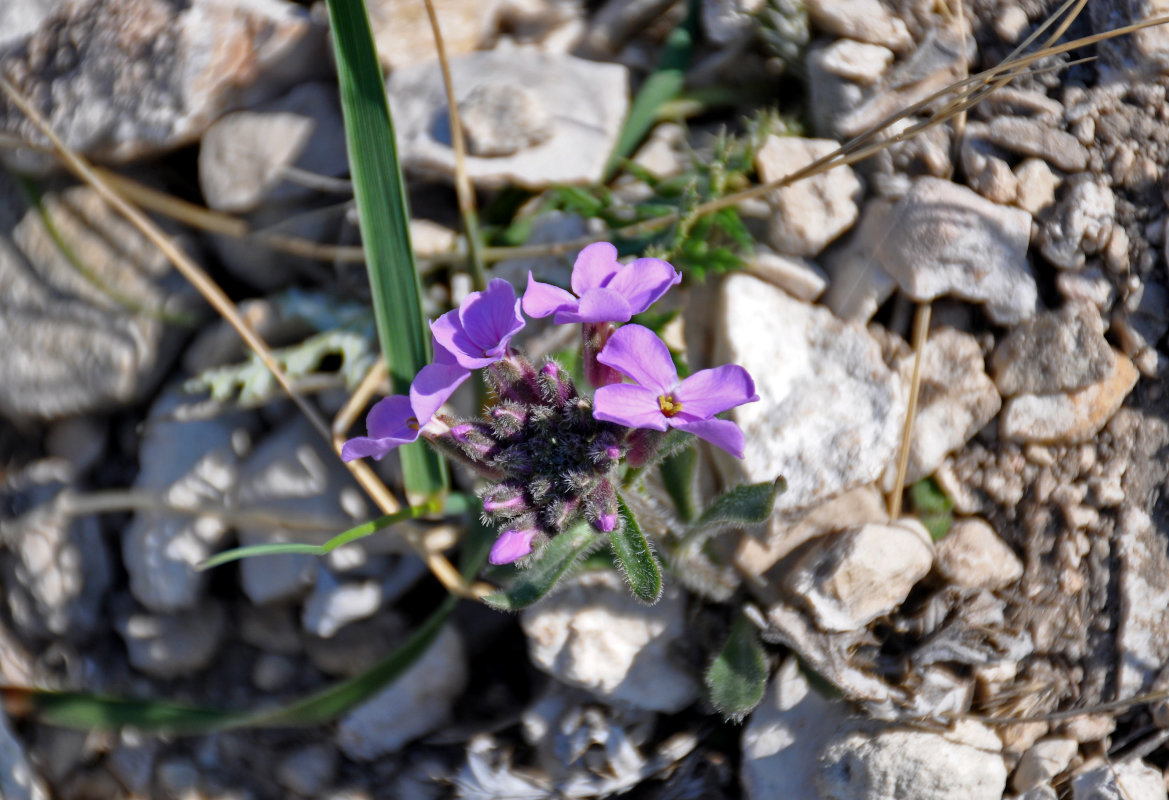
<point x="721" y="433"/>
<point x="390" y="418"/>
<point x="643" y="282"/>
<point x="448" y="332"/>
<point x="478" y="332"/>
<point x="629" y="405"/>
<point x="390" y="423"/>
<point x="491" y="317"/>
<point x="637" y="352"/>
<point x="433" y="386"/>
<point x="544" y="299"/>
<point x="511" y="546"/>
<point x="597" y="305"/>
<point x="712" y="391"/>
<point x="596" y="264"/>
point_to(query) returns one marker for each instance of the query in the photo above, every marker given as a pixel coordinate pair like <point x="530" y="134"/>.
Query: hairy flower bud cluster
<point x="551" y="460"/>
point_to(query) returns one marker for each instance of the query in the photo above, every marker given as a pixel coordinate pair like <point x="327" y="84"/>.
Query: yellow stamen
<point x="669" y="405"/>
<point x="412" y="423"/>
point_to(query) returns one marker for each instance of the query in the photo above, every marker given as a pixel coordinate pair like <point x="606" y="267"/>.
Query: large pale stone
<point x="1072" y="417"/>
<point x="944" y="239"/>
<point x="557" y="115"/>
<point x="974" y="556"/>
<point x="852" y="577"/>
<point x="594" y="635"/>
<point x="809" y="213"/>
<point x="121" y="80"/>
<point x="900" y="763"/>
<point x="830" y="412"/>
<point x="785" y="737"/>
<point x="415" y="704"/>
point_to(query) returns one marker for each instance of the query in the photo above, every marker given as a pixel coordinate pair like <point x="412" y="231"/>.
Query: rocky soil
<point x="1012" y="644"/>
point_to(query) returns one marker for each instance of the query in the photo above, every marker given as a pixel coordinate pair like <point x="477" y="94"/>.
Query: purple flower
<point x="658" y="400"/>
<point x="399" y="420"/>
<point x="603" y="289"/>
<point x="512" y="545"/>
<point x="477" y="333"/>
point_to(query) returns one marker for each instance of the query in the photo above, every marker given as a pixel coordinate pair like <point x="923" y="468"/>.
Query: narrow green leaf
<point x="634" y="556"/>
<point x="662" y="86"/>
<point x="351" y="535"/>
<point x="549" y="564"/>
<point x="385" y="230"/>
<point x="748" y="504"/>
<point x="678" y="479"/>
<point x="737" y="677"/>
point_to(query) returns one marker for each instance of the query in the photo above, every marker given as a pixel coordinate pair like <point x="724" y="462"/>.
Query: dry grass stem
<point x="214" y="295"/>
<point x="921" y="328"/>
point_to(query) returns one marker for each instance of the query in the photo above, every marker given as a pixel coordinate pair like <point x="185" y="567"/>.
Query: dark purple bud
<point x="506" y="499"/>
<point x="606" y="449"/>
<point x="558" y="514"/>
<point x="476" y="439"/>
<point x="509" y="418"/>
<point x="594" y="335"/>
<point x="643" y="446"/>
<point x="602" y="507"/>
<point x="514" y="379"/>
<point x="555" y="384"/>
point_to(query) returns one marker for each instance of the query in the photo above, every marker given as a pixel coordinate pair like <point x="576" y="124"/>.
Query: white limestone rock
<point x="785" y="737"/>
<point x="974" y="556"/>
<point x="172" y="645"/>
<point x="292" y="474"/>
<point x="1042" y="762"/>
<point x="830" y="412"/>
<point x="1119" y="780"/>
<point x="809" y="213"/>
<point x="189" y="463"/>
<point x="403" y="36"/>
<point x="415" y="704"/>
<point x="895" y="763"/>
<point x="956" y="400"/>
<point x="143" y="77"/>
<point x="539" y="118"/>
<point x="863" y="20"/>
<point x="243" y="155"/>
<point x="944" y="239"/>
<point x="1068" y="418"/>
<point x="594" y="635"/>
<point x="799" y="277"/>
<point x="850" y="578"/>
<point x="855" y="61"/>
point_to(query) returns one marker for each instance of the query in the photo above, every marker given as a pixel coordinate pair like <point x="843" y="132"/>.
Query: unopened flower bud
<point x="602" y="507"/>
<point x="555" y="385"/>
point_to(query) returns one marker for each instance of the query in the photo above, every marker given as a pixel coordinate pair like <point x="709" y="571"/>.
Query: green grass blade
<point x="385" y="231"/>
<point x="344" y="538"/>
<point x="549" y="565"/>
<point x="661" y="87"/>
<point x="637" y="562"/>
<point x="737" y="677"/>
<point x="84" y="711"/>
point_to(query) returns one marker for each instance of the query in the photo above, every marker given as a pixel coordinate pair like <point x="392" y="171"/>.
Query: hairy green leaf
<point x="748" y="504"/>
<point x="737" y="677"/>
<point x="634" y="556"/>
<point x="549" y="564"/>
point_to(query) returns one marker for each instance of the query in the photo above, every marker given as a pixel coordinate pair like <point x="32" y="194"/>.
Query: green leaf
<point x="662" y="86"/>
<point x="678" y="472"/>
<point x="737" y="677"/>
<point x="748" y="504"/>
<point x="933" y="508"/>
<point x="351" y="535"/>
<point x="549" y="564"/>
<point x="385" y="231"/>
<point x="634" y="556"/>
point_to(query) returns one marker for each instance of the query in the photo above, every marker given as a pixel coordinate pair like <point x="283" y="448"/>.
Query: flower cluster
<point x="552" y="455"/>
